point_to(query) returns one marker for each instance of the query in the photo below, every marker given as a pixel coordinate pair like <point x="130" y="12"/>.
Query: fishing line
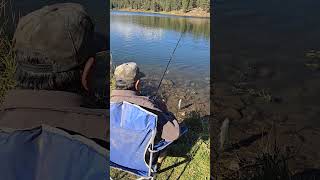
<point x="164" y="73"/>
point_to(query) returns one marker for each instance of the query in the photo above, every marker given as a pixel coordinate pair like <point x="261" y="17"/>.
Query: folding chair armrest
<point x="160" y="146"/>
<point x="163" y="144"/>
<point x="183" y="130"/>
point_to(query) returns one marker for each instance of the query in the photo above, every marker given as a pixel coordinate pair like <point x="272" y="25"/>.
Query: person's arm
<point x="171" y="130"/>
<point x="169" y="126"/>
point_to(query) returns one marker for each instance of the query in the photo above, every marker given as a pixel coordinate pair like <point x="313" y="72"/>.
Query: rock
<point x="233" y="101"/>
<point x="234" y="165"/>
<point x="265" y="72"/>
<point x="167" y="82"/>
<point x="182" y="113"/>
<point x="277" y="99"/>
<point x="54" y="33"/>
<point x="231" y="113"/>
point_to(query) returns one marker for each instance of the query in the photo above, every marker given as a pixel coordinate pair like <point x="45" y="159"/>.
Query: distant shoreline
<point x="193" y="13"/>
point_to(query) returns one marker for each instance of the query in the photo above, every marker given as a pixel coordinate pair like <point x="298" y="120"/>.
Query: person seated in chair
<point x="127" y="78"/>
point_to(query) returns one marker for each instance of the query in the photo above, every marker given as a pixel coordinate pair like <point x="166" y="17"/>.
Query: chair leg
<point x="162" y="156"/>
<point x="150" y="162"/>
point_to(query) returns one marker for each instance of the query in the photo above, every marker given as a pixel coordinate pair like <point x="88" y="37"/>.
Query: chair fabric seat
<point x="132" y="132"/>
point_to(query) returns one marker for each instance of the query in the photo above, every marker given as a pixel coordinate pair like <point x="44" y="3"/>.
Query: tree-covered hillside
<point x="161" y="5"/>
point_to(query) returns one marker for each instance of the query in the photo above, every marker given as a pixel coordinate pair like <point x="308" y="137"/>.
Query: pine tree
<point x="161" y="5"/>
<point x="185" y="5"/>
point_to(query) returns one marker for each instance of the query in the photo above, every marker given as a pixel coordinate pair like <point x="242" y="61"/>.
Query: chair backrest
<point x="50" y="153"/>
<point x="132" y="130"/>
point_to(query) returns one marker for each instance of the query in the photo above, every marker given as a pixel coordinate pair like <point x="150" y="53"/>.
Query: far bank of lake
<point x="192" y="13"/>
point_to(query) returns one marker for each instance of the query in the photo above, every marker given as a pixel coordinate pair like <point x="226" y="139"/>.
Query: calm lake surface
<point x="149" y="39"/>
<point x="274" y="37"/>
<point x="263" y="45"/>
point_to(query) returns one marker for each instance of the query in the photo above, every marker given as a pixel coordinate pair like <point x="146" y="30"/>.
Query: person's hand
<point x="160" y="104"/>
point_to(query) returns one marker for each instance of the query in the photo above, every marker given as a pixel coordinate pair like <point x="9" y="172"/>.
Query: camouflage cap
<point x="127" y="73"/>
<point x="68" y="45"/>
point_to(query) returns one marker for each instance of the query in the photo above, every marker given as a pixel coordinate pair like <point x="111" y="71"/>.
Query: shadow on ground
<point x="189" y="156"/>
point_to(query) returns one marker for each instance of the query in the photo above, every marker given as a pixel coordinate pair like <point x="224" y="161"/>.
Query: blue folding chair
<point x="132" y="134"/>
<point x="49" y="153"/>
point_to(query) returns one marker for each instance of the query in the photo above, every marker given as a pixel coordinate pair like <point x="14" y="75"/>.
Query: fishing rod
<point x="164" y="73"/>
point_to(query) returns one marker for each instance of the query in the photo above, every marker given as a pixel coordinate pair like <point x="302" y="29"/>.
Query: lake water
<point x="263" y="45"/>
<point x="275" y="37"/>
<point x="149" y="39"/>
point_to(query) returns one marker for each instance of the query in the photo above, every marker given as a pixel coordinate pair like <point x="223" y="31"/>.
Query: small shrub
<point x="7" y="57"/>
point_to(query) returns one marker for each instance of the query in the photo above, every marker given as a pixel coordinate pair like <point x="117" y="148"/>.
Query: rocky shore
<point x="271" y="114"/>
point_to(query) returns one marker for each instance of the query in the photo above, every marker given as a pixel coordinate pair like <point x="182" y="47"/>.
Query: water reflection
<point x="149" y="40"/>
<point x="198" y="27"/>
<point x="147" y="33"/>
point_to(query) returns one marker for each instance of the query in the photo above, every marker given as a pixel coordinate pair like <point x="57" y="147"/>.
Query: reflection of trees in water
<point x="200" y="28"/>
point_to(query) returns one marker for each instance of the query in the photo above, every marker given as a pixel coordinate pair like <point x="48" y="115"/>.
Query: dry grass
<point x="112" y="79"/>
<point x="269" y="161"/>
<point x="313" y="61"/>
<point x="7" y="57"/>
<point x="7" y="68"/>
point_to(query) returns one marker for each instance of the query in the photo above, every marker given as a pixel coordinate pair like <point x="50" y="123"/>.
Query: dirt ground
<point x="267" y="104"/>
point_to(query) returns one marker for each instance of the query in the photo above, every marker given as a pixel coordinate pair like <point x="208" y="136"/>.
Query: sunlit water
<point x="149" y="40"/>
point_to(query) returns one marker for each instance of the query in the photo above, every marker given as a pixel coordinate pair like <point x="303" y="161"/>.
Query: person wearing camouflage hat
<point x="59" y="67"/>
<point x="127" y="78"/>
<point x="55" y="61"/>
<point x="126" y="75"/>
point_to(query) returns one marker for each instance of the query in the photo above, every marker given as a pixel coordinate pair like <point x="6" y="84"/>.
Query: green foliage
<point x="7" y="57"/>
<point x="185" y="5"/>
<point x="272" y="166"/>
<point x="161" y="5"/>
<point x="313" y="61"/>
<point x="7" y="67"/>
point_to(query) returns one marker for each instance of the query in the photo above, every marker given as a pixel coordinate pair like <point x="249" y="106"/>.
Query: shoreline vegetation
<point x="7" y="57"/>
<point x="191" y="8"/>
<point x="197" y="12"/>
